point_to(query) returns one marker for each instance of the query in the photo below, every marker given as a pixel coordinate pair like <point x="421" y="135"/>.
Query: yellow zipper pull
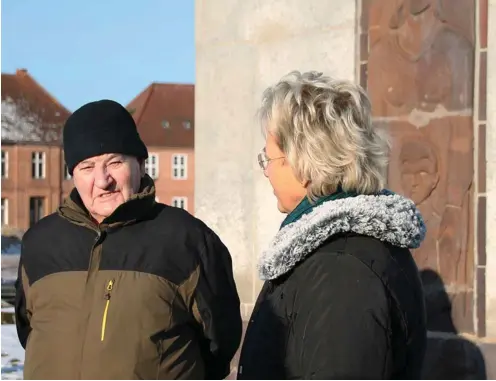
<point x="110" y="286"/>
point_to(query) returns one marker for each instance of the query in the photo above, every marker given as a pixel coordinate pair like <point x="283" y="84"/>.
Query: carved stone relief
<point x="420" y="80"/>
<point x="419" y="61"/>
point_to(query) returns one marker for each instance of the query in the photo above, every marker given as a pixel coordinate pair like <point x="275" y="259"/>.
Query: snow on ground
<point x="12" y="354"/>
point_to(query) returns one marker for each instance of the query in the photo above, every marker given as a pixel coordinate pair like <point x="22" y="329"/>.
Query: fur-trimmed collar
<point x="387" y="217"/>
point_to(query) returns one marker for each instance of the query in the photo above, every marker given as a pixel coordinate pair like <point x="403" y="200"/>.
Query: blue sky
<point x="82" y="51"/>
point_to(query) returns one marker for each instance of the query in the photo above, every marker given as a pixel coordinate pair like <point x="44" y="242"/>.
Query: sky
<point x="81" y="51"/>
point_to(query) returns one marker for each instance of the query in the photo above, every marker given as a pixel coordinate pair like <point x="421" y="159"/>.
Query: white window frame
<point x="38" y="158"/>
<point x="5" y="211"/>
<point x="177" y="166"/>
<point x="152" y="166"/>
<point x="178" y="200"/>
<point x="5" y="164"/>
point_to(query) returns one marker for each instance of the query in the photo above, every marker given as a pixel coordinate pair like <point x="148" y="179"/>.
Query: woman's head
<point x="319" y="135"/>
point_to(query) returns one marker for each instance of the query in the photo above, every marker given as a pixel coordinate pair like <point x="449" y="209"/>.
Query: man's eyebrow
<point x="116" y="156"/>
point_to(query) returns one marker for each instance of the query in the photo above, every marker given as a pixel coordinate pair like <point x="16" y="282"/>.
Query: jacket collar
<point x="306" y="206"/>
<point x="386" y="216"/>
<point x="137" y="208"/>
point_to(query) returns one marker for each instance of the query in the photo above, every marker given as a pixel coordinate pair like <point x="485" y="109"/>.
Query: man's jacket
<point x="147" y="294"/>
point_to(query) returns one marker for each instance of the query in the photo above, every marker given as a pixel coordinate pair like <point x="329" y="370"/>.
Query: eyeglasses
<point x="264" y="160"/>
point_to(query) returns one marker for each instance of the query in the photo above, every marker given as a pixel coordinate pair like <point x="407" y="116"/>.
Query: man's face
<point x="104" y="182"/>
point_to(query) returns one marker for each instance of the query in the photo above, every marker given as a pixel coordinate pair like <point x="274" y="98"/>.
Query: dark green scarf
<point x="306" y="206"/>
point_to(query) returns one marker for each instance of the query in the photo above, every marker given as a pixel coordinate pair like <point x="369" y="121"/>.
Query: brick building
<point x="164" y="114"/>
<point x="33" y="174"/>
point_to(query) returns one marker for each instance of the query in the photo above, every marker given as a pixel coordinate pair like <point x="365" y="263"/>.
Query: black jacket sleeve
<point x="341" y="322"/>
<point x="218" y="305"/>
<point x="21" y="315"/>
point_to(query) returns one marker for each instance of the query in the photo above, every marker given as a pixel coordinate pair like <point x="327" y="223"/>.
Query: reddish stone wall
<point x="418" y="64"/>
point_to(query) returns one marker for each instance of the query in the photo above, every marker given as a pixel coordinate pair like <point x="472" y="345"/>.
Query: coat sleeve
<point x="217" y="307"/>
<point x="341" y="323"/>
<point x="21" y="315"/>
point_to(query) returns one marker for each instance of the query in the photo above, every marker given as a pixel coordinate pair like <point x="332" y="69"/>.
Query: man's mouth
<point x="106" y="195"/>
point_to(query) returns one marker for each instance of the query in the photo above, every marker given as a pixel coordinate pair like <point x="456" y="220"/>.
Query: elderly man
<point x="115" y="285"/>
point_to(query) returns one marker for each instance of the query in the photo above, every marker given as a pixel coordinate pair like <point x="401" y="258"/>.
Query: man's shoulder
<point x="188" y="239"/>
<point x="179" y="219"/>
<point x="47" y="225"/>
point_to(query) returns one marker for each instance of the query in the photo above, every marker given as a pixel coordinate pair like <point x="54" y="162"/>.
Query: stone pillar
<point x="487" y="141"/>
<point x="241" y="48"/>
<point x="418" y="66"/>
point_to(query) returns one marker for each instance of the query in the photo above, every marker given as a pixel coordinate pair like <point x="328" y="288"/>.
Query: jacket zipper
<point x="88" y="292"/>
<point x="108" y="291"/>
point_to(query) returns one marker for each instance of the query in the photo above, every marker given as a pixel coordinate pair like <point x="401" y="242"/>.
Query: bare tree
<point x="20" y="123"/>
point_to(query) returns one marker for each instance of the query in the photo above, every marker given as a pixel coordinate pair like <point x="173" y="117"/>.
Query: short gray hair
<point x="323" y="125"/>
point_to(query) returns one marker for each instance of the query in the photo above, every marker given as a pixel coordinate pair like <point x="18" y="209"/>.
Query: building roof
<point x="165" y="115"/>
<point x="31" y="102"/>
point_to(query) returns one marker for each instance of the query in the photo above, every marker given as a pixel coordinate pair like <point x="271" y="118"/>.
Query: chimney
<point x="21" y="72"/>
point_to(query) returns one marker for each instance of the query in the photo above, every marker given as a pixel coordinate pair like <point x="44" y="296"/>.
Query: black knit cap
<point x="98" y="128"/>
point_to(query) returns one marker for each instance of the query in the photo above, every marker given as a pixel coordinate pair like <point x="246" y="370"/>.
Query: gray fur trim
<point x="390" y="218"/>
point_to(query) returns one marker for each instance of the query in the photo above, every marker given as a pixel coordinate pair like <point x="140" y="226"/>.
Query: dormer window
<point x="187" y="124"/>
<point x="165" y="124"/>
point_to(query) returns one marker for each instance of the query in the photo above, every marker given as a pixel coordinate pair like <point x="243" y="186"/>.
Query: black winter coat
<point x="342" y="297"/>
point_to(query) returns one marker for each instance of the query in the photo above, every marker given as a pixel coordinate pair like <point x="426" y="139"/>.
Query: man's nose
<point x="102" y="178"/>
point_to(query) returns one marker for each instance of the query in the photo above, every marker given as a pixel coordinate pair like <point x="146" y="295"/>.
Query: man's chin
<point x="107" y="208"/>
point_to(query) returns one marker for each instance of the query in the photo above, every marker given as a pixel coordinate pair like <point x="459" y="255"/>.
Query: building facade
<point x="164" y="114"/>
<point x="34" y="182"/>
<point x="34" y="179"/>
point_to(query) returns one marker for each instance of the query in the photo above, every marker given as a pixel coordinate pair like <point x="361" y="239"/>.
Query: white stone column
<point x="491" y="174"/>
<point x="243" y="46"/>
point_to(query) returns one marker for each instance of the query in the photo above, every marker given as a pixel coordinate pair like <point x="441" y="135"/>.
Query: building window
<point x="5" y="211"/>
<point x="187" y="124"/>
<point x="36" y="209"/>
<point x="180" y="167"/>
<point x="67" y="175"/>
<point x="38" y="165"/>
<point x="180" y="202"/>
<point x="151" y="165"/>
<point x="165" y="124"/>
<point x="5" y="164"/>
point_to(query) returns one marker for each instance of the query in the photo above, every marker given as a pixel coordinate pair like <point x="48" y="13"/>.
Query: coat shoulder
<point x="182" y="223"/>
<point x="384" y="266"/>
<point x="45" y="227"/>
<point x="386" y="261"/>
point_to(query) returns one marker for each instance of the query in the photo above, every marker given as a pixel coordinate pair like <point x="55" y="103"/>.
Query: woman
<point x="342" y="296"/>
